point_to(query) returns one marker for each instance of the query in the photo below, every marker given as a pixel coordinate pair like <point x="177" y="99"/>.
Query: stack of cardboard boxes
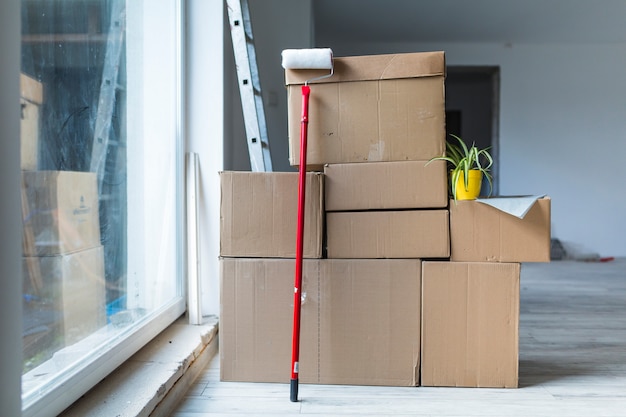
<point x="470" y="305"/>
<point x="396" y="290"/>
<point x="63" y="263"/>
<point x="63" y="260"/>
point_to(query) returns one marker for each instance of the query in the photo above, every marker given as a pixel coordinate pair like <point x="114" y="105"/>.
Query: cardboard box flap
<point x="480" y="232"/>
<point x="514" y="205"/>
<point x="375" y="67"/>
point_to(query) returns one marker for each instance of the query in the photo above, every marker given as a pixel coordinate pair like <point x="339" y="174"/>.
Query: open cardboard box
<point x="500" y="229"/>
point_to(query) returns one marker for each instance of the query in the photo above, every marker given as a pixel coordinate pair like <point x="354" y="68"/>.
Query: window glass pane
<point x="101" y="184"/>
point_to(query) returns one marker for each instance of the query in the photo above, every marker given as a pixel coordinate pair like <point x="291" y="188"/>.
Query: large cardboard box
<point x="470" y="324"/>
<point x="31" y="92"/>
<point x="70" y="288"/>
<point x="369" y="322"/>
<point x="256" y="319"/>
<point x="259" y="211"/>
<point x="374" y="108"/>
<point x="60" y="212"/>
<point x="360" y="321"/>
<point x="480" y="232"/>
<point x="388" y="234"/>
<point x="385" y="185"/>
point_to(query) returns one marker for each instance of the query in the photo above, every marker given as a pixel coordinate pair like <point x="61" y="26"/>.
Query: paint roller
<point x="301" y="59"/>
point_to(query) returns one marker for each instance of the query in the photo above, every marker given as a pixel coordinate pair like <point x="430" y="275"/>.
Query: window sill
<point x="153" y="380"/>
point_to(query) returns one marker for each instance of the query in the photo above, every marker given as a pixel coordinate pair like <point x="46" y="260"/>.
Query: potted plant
<point x="467" y="166"/>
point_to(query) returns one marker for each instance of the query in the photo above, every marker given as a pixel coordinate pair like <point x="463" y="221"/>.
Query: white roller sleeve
<point x="316" y="58"/>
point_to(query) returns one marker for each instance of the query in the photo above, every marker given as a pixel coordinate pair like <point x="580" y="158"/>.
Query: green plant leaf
<point x="463" y="159"/>
<point x="441" y="158"/>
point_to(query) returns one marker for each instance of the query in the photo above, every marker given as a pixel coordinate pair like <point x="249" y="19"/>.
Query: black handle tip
<point x="294" y="390"/>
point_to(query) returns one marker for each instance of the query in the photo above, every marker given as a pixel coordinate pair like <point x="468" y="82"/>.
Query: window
<point x="102" y="192"/>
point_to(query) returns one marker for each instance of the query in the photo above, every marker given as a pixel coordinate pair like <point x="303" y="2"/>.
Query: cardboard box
<point x="479" y="232"/>
<point x="256" y="320"/>
<point x="74" y="285"/>
<point x="259" y="211"/>
<point x="31" y="89"/>
<point x="470" y="324"/>
<point x="29" y="135"/>
<point x="31" y="98"/>
<point x="388" y="234"/>
<point x="370" y="322"/>
<point x="374" y="108"/>
<point x="360" y="321"/>
<point x="60" y="212"/>
<point x="385" y="185"/>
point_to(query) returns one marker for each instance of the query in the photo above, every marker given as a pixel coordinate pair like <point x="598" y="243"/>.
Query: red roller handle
<point x="295" y="346"/>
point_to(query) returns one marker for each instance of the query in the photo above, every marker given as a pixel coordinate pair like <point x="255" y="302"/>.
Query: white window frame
<point x="54" y="398"/>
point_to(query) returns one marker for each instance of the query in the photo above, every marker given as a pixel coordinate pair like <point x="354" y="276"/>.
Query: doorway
<point x="473" y="109"/>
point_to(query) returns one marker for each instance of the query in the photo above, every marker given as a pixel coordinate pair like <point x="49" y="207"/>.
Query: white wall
<point x="205" y="132"/>
<point x="215" y="128"/>
<point x="562" y="130"/>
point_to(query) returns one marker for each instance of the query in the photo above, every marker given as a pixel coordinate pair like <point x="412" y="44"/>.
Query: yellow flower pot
<point x="472" y="192"/>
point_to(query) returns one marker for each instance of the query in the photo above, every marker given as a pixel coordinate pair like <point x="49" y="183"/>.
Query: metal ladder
<point x="108" y="89"/>
<point x="108" y="153"/>
<point x="249" y="85"/>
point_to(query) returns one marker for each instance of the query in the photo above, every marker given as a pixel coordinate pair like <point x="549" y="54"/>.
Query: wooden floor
<point x="572" y="363"/>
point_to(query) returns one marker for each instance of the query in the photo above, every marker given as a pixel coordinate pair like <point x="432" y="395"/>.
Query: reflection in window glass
<point x="100" y="184"/>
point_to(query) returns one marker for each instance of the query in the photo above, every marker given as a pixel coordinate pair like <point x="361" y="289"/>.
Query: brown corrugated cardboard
<point x="29" y="134"/>
<point x="360" y="321"/>
<point x="73" y="287"/>
<point x="388" y="234"/>
<point x="31" y="89"/>
<point x="259" y="210"/>
<point x="385" y="185"/>
<point x="60" y="210"/>
<point x="479" y="232"/>
<point x="31" y="97"/>
<point x="470" y="317"/>
<point x="369" y="322"/>
<point x="256" y="319"/>
<point x="374" y="108"/>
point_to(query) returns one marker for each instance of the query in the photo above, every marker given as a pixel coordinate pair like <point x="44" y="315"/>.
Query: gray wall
<point x="276" y="25"/>
<point x="561" y="129"/>
<point x="561" y="133"/>
<point x="10" y="217"/>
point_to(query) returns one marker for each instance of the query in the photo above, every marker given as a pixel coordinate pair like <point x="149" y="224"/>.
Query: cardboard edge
<point x="319" y="250"/>
<point x="31" y="89"/>
<point x="375" y="67"/>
